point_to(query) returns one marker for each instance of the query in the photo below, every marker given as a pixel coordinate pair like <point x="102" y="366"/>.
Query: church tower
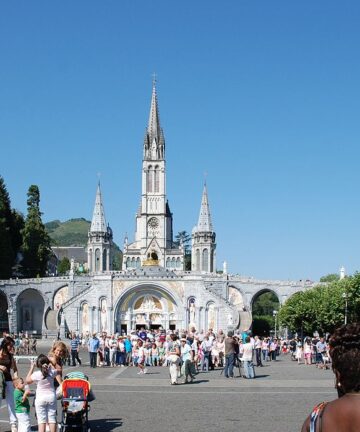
<point x="154" y="223"/>
<point x="99" y="239"/>
<point x="203" y="239"/>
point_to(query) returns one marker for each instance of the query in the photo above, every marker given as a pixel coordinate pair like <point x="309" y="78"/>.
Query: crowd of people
<point x="185" y="353"/>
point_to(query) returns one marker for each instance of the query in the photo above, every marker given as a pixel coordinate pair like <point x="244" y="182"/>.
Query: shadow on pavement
<point x="105" y="425"/>
<point x="196" y="382"/>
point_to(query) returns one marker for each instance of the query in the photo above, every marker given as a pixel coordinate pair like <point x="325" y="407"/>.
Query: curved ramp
<point x="245" y="320"/>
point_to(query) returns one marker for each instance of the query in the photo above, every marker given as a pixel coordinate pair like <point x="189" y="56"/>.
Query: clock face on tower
<point x="153" y="224"/>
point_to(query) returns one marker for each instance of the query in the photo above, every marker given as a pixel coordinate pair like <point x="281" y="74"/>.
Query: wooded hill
<point x="74" y="232"/>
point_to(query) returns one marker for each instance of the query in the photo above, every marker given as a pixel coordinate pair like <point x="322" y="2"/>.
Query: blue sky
<point x="262" y="96"/>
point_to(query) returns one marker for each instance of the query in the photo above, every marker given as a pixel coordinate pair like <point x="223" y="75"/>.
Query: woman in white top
<point x="45" y="401"/>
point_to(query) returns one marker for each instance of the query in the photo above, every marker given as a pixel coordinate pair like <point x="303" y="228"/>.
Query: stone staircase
<point x="78" y="295"/>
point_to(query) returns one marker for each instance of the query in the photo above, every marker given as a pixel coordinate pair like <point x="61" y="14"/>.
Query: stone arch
<point x="4" y="316"/>
<point x="30" y="306"/>
<point x="261" y="291"/>
<point x="125" y="306"/>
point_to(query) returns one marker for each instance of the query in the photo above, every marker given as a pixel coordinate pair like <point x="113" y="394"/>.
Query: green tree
<point x="7" y="253"/>
<point x="36" y="242"/>
<point x="63" y="266"/>
<point x="182" y="237"/>
<point x="322" y="308"/>
<point x="265" y="304"/>
<point x="262" y="312"/>
<point x="332" y="277"/>
<point x="262" y="325"/>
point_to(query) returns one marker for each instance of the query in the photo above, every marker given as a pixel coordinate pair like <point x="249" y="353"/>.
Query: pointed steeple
<point x="98" y="223"/>
<point x="154" y="142"/>
<point x="204" y="223"/>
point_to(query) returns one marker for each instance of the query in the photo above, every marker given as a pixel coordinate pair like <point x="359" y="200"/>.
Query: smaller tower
<point x="203" y="239"/>
<point x="99" y="239"/>
<point x="342" y="272"/>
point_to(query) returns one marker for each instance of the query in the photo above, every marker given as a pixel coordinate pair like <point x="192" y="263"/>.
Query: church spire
<point x="205" y="223"/>
<point x="98" y="223"/>
<point x="203" y="247"/>
<point x="154" y="142"/>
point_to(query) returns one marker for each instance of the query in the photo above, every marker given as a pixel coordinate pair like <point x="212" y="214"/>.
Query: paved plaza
<point x="278" y="400"/>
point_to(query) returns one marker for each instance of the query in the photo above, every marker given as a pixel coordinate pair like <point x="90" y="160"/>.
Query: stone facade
<point x="152" y="290"/>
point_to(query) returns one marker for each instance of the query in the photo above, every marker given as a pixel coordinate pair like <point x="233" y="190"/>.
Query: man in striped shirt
<point x="75" y="344"/>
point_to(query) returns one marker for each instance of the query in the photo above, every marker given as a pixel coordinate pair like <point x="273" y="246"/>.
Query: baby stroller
<point x="75" y="403"/>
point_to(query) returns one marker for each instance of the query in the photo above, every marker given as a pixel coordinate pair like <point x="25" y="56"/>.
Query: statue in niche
<point x="103" y="315"/>
<point x="85" y="318"/>
<point x="192" y="314"/>
<point x="211" y="316"/>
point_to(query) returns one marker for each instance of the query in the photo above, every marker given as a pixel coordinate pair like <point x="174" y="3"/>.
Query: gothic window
<point x="138" y="263"/>
<point x="149" y="179"/>
<point x="197" y="260"/>
<point x="128" y="262"/>
<point x="205" y="260"/>
<point x="104" y="260"/>
<point x="168" y="262"/>
<point x="156" y="179"/>
<point x="173" y="263"/>
<point x="132" y="262"/>
<point x="90" y="260"/>
<point x="177" y="262"/>
<point x="97" y="260"/>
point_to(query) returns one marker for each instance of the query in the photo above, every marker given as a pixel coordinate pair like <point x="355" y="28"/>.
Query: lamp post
<point x="274" y="315"/>
<point x="345" y="296"/>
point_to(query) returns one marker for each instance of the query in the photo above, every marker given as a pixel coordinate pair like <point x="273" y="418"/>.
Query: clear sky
<point x="261" y="95"/>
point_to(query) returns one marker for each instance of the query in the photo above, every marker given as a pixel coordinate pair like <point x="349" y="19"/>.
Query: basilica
<point x="153" y="289"/>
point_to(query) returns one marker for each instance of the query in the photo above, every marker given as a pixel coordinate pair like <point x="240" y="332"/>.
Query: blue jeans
<point x="249" y="369"/>
<point x="229" y="365"/>
<point x="154" y="360"/>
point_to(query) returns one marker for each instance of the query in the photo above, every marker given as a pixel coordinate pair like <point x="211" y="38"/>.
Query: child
<point x="22" y="405"/>
<point x="154" y="355"/>
<point x="45" y="402"/>
<point x="141" y="358"/>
